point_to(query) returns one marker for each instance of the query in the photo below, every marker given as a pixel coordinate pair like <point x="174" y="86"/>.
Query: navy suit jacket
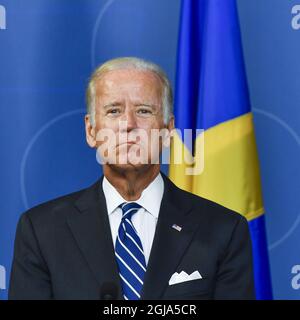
<point x="64" y="250"/>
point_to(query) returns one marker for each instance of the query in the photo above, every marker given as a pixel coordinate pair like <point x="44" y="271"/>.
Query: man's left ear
<point x="171" y="123"/>
<point x="89" y="131"/>
<point x="170" y="127"/>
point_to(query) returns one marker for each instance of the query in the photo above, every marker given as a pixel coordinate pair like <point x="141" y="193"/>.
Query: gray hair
<point x="130" y="63"/>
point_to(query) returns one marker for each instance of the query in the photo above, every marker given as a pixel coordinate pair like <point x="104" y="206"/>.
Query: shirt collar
<point x="150" y="198"/>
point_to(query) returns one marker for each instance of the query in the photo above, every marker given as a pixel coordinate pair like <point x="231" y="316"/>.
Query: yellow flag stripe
<point x="230" y="175"/>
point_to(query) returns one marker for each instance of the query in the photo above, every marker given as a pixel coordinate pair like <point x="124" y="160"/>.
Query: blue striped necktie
<point x="129" y="254"/>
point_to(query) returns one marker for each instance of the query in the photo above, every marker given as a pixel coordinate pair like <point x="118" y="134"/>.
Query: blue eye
<point x="144" y="111"/>
<point x="113" y="111"/>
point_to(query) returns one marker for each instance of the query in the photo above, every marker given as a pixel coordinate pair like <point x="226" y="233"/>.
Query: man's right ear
<point x="89" y="131"/>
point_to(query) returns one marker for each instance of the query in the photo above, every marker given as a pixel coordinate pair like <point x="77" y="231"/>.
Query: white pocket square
<point x="183" y="277"/>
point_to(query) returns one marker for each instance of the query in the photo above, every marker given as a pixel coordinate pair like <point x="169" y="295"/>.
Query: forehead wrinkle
<point x="129" y="72"/>
<point x="119" y="89"/>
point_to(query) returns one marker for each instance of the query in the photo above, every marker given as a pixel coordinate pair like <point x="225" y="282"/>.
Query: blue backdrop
<point x="49" y="48"/>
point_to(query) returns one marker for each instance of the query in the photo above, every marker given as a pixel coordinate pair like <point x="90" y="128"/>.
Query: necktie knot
<point x="129" y="209"/>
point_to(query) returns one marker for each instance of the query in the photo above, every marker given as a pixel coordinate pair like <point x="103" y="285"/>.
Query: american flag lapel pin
<point x="176" y="227"/>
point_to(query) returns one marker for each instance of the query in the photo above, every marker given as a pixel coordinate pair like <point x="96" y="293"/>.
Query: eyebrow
<point x="112" y="104"/>
<point x="118" y="103"/>
<point x="145" y="104"/>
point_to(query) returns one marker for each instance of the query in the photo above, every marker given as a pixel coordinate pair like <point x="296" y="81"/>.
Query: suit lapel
<point x="92" y="233"/>
<point x="169" y="245"/>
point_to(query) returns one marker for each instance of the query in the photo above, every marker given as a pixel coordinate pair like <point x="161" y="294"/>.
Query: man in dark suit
<point x="133" y="234"/>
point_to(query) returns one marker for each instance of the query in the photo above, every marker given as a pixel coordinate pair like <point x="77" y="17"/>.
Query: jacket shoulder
<point x="58" y="208"/>
<point x="212" y="210"/>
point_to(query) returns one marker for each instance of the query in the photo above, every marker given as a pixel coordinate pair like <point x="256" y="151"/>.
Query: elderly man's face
<point x="128" y="104"/>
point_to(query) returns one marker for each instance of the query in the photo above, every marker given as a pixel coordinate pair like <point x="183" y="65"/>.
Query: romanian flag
<point x="212" y="94"/>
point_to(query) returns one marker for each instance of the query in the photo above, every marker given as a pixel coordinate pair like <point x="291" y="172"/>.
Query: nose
<point x="130" y="118"/>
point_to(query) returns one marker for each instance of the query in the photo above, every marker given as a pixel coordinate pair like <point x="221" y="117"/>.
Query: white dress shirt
<point x="145" y="219"/>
